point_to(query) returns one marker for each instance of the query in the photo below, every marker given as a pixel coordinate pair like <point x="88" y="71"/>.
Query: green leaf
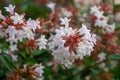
<point x="114" y="56"/>
<point x="116" y="72"/>
<point x="6" y="61"/>
<point x="117" y="6"/>
<point x="6" y="65"/>
<point x="35" y="11"/>
<point x="18" y="1"/>
<point x="37" y="52"/>
<point x="1" y="72"/>
<point x="44" y="57"/>
<point x="87" y="61"/>
<point x="95" y="71"/>
<point x="118" y="27"/>
<point x="30" y="60"/>
<point x="85" y="72"/>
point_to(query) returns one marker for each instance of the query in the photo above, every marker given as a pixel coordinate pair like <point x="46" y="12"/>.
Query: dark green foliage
<point x="6" y="65"/>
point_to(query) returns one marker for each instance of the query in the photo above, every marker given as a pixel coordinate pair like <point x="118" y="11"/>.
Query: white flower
<point x="69" y="44"/>
<point x="2" y="33"/>
<point x="55" y="41"/>
<point x="96" y="12"/>
<point x="87" y="78"/>
<point x="1" y="16"/>
<point x="11" y="31"/>
<point x="113" y="63"/>
<point x="13" y="47"/>
<point x="20" y="35"/>
<point x="117" y="2"/>
<point x="33" y="24"/>
<point x="14" y="57"/>
<point x="84" y="49"/>
<point x="65" y="21"/>
<point x="101" y="23"/>
<point x="84" y="30"/>
<point x="42" y="42"/>
<point x="22" y="78"/>
<point x="93" y="38"/>
<point x="28" y="33"/>
<point x="65" y="31"/>
<point x="117" y="16"/>
<point x="110" y="28"/>
<point x="51" y="5"/>
<point x="62" y="55"/>
<point x="40" y="71"/>
<point x="94" y="9"/>
<point x="41" y="78"/>
<point x="99" y="14"/>
<point x="17" y="19"/>
<point x="102" y="66"/>
<point x="66" y="13"/>
<point x="10" y="9"/>
<point x="101" y="20"/>
<point x="102" y="56"/>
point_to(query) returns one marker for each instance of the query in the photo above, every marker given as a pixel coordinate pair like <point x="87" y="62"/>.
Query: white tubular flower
<point x="84" y="49"/>
<point x="13" y="47"/>
<point x="42" y="42"/>
<point x="62" y="55"/>
<point x="65" y="21"/>
<point x="69" y="44"/>
<point x="101" y="23"/>
<point x="99" y="14"/>
<point x="40" y="71"/>
<point x="93" y="38"/>
<point x="14" y="57"/>
<point x="102" y="56"/>
<point x="17" y="19"/>
<point x="20" y="35"/>
<point x="33" y="24"/>
<point x="66" y="13"/>
<point x="96" y="12"/>
<point x="10" y="9"/>
<point x="84" y="30"/>
<point x="1" y="16"/>
<point x="51" y="5"/>
<point x="117" y="16"/>
<point x="2" y="33"/>
<point x="117" y="2"/>
<point x="94" y="9"/>
<point x="101" y="20"/>
<point x="28" y="33"/>
<point x="110" y="28"/>
<point x="11" y="31"/>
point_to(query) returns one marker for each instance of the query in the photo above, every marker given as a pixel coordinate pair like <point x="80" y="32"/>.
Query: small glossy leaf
<point x="114" y="56"/>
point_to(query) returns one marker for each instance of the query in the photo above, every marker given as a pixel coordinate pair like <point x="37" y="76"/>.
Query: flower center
<point x="72" y="41"/>
<point x="31" y="44"/>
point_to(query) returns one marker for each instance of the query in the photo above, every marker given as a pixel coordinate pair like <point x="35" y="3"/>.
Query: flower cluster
<point x="14" y="28"/>
<point x="69" y="44"/>
<point x="101" y="20"/>
<point x="78" y="35"/>
<point x="39" y="70"/>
